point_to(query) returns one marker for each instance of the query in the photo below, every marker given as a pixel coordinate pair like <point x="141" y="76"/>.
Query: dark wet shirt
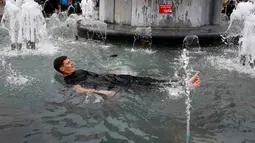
<point x="109" y="81"/>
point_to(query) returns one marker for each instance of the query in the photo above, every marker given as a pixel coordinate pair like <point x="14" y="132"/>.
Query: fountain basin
<point x="164" y="36"/>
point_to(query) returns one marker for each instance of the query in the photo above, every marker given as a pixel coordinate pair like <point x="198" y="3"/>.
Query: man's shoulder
<point x="80" y="71"/>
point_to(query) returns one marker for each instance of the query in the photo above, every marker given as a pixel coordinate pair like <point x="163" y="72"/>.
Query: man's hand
<point x="195" y="82"/>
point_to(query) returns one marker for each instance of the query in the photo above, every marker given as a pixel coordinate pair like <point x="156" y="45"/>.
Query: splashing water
<point x="25" y="22"/>
<point x="191" y="41"/>
<point x="64" y="27"/>
<point x="174" y="92"/>
<point x="144" y="36"/>
<point x="44" y="49"/>
<point x="242" y="26"/>
<point x="146" y="51"/>
<point x="88" y="11"/>
<point x="67" y="26"/>
<point x="10" y="20"/>
<point x="185" y="63"/>
<point x="13" y="77"/>
<point x="96" y="29"/>
<point x="32" y="22"/>
<point x="53" y="21"/>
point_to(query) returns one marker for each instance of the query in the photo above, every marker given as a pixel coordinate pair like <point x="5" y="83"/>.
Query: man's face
<point x="67" y="67"/>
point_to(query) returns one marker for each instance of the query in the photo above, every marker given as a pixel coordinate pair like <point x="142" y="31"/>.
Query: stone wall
<point x="186" y="13"/>
<point x="123" y="10"/>
<point x="106" y="10"/>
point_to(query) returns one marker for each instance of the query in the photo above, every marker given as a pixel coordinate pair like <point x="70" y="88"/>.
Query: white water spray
<point x="10" y="19"/>
<point x="191" y="41"/>
<point x="32" y="22"/>
<point x="65" y="27"/>
<point x="25" y="22"/>
<point x="88" y="11"/>
<point x="242" y="24"/>
<point x="144" y="35"/>
<point x="185" y="63"/>
<point x="12" y="77"/>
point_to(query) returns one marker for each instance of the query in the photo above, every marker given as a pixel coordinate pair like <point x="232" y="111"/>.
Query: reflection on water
<point x="39" y="108"/>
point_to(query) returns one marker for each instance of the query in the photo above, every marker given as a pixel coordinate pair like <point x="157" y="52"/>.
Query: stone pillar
<point x="106" y="10"/>
<point x="141" y="13"/>
<point x="215" y="12"/>
<point x="123" y="9"/>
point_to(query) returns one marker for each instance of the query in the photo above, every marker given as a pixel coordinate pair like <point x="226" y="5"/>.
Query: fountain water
<point x="95" y="29"/>
<point x="61" y="25"/>
<point x="25" y="22"/>
<point x="10" y="21"/>
<point x="144" y="36"/>
<point x="88" y="11"/>
<point x="190" y="41"/>
<point x="66" y="23"/>
<point x="13" y="77"/>
<point x="242" y="26"/>
<point x="33" y="25"/>
<point x="185" y="62"/>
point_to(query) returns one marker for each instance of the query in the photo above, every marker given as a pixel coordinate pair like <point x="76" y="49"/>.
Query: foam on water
<point x="175" y="92"/>
<point x="223" y="63"/>
<point x="92" y="99"/>
<point x="16" y="78"/>
<point x="118" y="68"/>
<point x="12" y="77"/>
<point x="105" y="46"/>
<point x="147" y="51"/>
<point x="124" y="70"/>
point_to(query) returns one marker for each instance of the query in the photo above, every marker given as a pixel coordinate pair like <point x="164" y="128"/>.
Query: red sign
<point x="165" y="8"/>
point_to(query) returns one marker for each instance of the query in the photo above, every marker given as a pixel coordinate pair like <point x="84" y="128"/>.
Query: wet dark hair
<point x="58" y="62"/>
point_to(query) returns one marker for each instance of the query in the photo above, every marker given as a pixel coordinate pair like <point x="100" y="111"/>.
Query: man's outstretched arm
<point x="82" y="90"/>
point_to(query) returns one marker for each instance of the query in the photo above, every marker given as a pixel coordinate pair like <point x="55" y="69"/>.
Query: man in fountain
<point x="106" y="84"/>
